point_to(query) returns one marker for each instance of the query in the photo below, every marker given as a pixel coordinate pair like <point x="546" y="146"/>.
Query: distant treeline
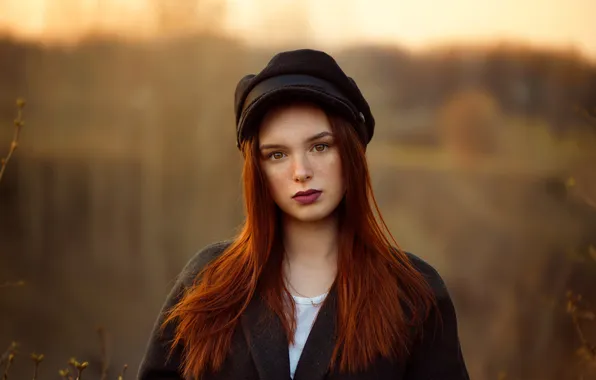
<point x="531" y="82"/>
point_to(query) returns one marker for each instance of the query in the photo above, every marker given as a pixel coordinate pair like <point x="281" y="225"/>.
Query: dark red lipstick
<point x="307" y="197"/>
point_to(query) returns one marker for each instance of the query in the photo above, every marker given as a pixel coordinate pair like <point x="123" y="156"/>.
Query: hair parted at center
<point x="380" y="295"/>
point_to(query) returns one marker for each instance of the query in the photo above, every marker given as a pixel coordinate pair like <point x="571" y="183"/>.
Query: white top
<point x="306" y="314"/>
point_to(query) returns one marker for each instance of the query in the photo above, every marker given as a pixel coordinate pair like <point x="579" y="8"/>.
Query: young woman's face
<point x="301" y="162"/>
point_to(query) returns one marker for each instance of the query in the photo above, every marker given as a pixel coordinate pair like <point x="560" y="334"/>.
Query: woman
<point x="311" y="288"/>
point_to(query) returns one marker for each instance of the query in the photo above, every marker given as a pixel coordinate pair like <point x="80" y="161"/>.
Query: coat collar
<point x="268" y="344"/>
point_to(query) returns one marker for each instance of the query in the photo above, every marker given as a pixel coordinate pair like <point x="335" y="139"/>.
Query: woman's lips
<point x="307" y="197"/>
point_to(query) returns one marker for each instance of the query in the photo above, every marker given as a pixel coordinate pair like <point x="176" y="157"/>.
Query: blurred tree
<point x="468" y="123"/>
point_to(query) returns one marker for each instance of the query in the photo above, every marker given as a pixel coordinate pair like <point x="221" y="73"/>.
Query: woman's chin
<point x="310" y="214"/>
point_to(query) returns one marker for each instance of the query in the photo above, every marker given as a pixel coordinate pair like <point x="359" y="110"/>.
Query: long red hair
<point x="380" y="295"/>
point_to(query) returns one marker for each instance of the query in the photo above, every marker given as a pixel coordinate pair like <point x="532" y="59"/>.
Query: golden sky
<point x="413" y="23"/>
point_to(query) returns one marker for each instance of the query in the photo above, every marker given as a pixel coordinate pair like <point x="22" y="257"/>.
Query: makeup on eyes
<point x="267" y="150"/>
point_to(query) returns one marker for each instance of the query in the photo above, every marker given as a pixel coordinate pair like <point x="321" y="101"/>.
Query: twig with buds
<point x="18" y="125"/>
<point x="36" y="359"/>
<point x="8" y="358"/>
<point x="121" y="377"/>
<point x="79" y="367"/>
<point x="587" y="350"/>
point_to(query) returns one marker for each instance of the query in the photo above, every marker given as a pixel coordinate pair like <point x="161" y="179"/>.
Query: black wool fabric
<point x="259" y="348"/>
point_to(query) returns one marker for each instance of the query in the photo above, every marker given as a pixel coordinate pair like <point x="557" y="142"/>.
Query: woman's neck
<point x="311" y="244"/>
<point x="310" y="262"/>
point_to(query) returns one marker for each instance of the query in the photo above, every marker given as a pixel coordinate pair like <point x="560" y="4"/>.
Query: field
<point x="127" y="165"/>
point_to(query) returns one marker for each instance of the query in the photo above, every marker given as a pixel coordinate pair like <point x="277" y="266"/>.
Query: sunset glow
<point x="413" y="23"/>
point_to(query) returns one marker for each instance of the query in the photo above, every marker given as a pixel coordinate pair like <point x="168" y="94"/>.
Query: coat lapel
<point x="318" y="349"/>
<point x="266" y="340"/>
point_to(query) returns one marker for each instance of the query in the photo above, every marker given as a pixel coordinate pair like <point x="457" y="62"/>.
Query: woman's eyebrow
<point x="271" y="146"/>
<point x="310" y="139"/>
<point x="319" y="135"/>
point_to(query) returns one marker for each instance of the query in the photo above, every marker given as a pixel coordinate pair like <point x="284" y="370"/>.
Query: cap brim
<point x="255" y="113"/>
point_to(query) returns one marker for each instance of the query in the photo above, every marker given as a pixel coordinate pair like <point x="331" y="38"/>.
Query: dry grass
<point x="75" y="369"/>
<point x="579" y="311"/>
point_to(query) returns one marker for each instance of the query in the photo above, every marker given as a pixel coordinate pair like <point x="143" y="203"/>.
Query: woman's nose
<point x="302" y="170"/>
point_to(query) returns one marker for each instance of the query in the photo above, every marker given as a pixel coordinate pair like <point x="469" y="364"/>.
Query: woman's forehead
<point x="294" y="121"/>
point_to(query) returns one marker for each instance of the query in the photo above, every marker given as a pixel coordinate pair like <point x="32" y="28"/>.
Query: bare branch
<point x="587" y="349"/>
<point x="121" y="377"/>
<point x="18" y="125"/>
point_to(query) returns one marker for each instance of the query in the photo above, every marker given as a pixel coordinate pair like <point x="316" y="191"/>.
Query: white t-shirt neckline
<point x="307" y="309"/>
<point x="309" y="300"/>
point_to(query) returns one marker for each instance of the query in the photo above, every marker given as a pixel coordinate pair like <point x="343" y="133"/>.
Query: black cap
<point x="300" y="75"/>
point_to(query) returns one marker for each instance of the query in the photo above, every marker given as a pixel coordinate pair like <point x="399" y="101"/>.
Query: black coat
<point x="437" y="356"/>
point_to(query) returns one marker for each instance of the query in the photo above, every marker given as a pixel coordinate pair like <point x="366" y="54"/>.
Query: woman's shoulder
<point x="430" y="273"/>
<point x="436" y="353"/>
<point x="200" y="260"/>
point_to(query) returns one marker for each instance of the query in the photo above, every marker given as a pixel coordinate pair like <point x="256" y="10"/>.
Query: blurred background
<point x="483" y="162"/>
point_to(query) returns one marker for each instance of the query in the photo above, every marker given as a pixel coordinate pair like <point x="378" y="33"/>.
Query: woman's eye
<point x="276" y="155"/>
<point x="321" y="147"/>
